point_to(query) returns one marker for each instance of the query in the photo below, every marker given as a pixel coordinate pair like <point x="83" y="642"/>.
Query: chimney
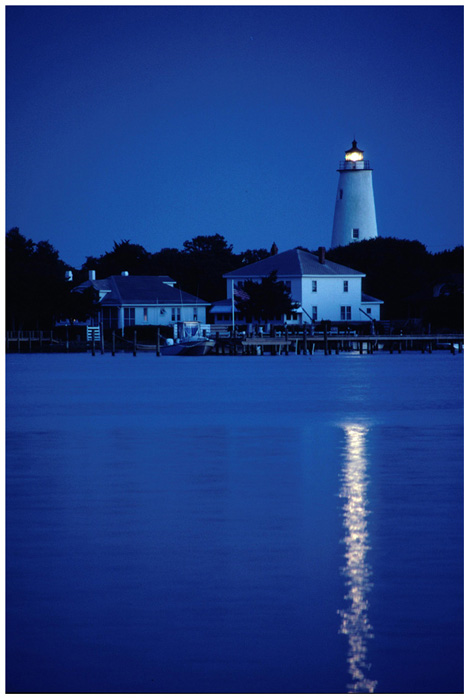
<point x="124" y="273"/>
<point x="321" y="255"/>
<point x="91" y="275"/>
<point x="69" y="276"/>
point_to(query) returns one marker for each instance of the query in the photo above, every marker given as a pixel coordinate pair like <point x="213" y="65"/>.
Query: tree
<point x="92" y="263"/>
<point x="215" y="245"/>
<point x="18" y="260"/>
<point x="205" y="260"/>
<point x="395" y="269"/>
<point x="266" y="300"/>
<point x="449" y="261"/>
<point x="169" y="261"/>
<point x="125" y="256"/>
<point x="251" y="256"/>
<point x="80" y="305"/>
<point x="35" y="282"/>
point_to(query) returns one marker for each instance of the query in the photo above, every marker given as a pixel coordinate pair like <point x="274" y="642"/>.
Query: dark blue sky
<point x="158" y="124"/>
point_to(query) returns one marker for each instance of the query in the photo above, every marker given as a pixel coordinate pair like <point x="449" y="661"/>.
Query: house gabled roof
<point x="140" y="290"/>
<point x="293" y="263"/>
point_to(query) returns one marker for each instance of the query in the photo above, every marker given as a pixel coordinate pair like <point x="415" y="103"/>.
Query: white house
<point x="323" y="290"/>
<point x="129" y="300"/>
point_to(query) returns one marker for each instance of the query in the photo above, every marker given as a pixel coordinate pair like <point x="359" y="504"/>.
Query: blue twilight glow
<point x="161" y="123"/>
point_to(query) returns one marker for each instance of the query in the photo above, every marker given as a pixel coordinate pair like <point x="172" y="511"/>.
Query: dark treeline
<point x="413" y="283"/>
<point x="37" y="294"/>
<point x="402" y="273"/>
<point x="197" y="268"/>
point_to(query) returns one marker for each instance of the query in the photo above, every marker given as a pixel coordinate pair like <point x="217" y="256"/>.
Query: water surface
<point x="234" y="524"/>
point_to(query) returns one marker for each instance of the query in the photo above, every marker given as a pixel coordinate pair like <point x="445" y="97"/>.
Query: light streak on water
<point x="354" y="620"/>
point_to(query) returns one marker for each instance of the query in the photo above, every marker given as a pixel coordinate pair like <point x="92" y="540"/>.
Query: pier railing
<point x="22" y="341"/>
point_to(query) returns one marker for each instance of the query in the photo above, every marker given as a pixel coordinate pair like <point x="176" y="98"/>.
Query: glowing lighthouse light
<point x="354" y="153"/>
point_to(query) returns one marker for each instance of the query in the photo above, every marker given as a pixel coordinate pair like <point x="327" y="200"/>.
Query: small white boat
<point x="189" y="340"/>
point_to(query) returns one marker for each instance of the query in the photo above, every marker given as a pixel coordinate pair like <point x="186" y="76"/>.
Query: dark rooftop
<point x="292" y="263"/>
<point x="140" y="289"/>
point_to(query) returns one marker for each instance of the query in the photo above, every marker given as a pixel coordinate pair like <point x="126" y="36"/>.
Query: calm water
<point x="234" y="524"/>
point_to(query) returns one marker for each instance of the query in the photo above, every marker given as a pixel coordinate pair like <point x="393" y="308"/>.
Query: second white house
<point x="323" y="290"/>
<point x="130" y="300"/>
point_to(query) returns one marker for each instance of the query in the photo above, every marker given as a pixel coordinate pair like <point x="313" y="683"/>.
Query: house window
<point x="109" y="316"/>
<point x="314" y="285"/>
<point x="345" y="313"/>
<point x="194" y="314"/>
<point x="345" y="286"/>
<point x="355" y="233"/>
<point x="129" y="316"/>
<point x="369" y="311"/>
<point x="146" y="317"/>
<point x="314" y="313"/>
<point x="176" y="313"/>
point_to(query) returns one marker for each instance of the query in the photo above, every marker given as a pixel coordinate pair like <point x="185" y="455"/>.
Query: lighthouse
<point x="354" y="218"/>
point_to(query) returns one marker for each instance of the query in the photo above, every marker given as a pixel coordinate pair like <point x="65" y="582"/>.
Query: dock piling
<point x="325" y="338"/>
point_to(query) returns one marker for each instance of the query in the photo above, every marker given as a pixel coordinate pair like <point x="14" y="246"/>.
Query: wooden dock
<point x="27" y="341"/>
<point x="285" y="343"/>
<point x="46" y="341"/>
<point x="334" y="344"/>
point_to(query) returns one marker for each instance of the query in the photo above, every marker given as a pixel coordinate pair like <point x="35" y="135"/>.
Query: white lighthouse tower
<point x="354" y="218"/>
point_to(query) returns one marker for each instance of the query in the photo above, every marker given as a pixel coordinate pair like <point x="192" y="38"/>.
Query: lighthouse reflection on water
<point x="354" y="618"/>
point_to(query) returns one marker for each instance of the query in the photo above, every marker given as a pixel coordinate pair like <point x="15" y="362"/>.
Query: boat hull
<point x="199" y="347"/>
